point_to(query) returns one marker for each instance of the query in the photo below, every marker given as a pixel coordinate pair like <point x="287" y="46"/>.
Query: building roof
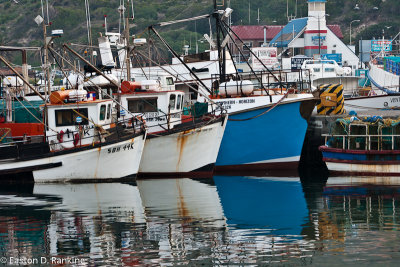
<point x="336" y="30"/>
<point x="289" y="32"/>
<point x="294" y="27"/>
<point x="4" y="71"/>
<point x="256" y="32"/>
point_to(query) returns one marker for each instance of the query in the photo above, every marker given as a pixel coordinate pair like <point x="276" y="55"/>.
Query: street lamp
<point x="356" y="20"/>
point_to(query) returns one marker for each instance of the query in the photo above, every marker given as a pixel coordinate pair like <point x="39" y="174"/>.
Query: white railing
<point x="346" y="139"/>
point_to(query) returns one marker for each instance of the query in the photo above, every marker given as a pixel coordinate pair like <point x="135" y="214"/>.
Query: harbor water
<point x="224" y="220"/>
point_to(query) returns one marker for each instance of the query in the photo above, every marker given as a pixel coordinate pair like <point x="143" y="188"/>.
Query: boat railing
<point x="298" y="80"/>
<point x="198" y="112"/>
<point x="101" y="133"/>
<point x="378" y="142"/>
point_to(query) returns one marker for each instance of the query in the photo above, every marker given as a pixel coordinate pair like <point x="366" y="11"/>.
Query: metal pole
<point x="91" y="65"/>
<point x="47" y="89"/>
<point x="20" y="76"/>
<point x="128" y="58"/>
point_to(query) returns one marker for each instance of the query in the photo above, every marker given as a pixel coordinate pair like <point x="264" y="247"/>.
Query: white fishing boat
<point x="82" y="143"/>
<point x="176" y="144"/>
<point x="327" y="72"/>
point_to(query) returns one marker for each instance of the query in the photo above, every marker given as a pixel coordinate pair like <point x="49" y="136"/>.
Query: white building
<point x="310" y="36"/>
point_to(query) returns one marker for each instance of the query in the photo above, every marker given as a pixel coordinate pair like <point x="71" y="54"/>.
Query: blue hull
<point x="267" y="204"/>
<point x="272" y="139"/>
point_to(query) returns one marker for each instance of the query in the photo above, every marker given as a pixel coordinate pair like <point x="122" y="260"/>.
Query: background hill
<point x="17" y="26"/>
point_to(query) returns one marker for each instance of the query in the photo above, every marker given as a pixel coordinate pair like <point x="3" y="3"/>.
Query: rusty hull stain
<point x="182" y="209"/>
<point x="97" y="163"/>
<point x="181" y="142"/>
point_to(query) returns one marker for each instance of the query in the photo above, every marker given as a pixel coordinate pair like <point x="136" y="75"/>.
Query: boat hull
<point x="361" y="162"/>
<point x="186" y="153"/>
<point x="372" y="102"/>
<point x="272" y="141"/>
<point x="108" y="162"/>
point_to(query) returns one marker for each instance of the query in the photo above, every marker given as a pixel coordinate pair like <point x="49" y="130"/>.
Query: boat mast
<point x="221" y="51"/>
<point x="127" y="57"/>
<point x="47" y="90"/>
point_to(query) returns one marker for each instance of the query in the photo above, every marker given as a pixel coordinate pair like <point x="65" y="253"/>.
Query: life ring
<point x="77" y="137"/>
<point x="60" y="136"/>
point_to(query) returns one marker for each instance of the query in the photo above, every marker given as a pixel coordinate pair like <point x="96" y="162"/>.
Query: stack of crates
<point x="392" y="64"/>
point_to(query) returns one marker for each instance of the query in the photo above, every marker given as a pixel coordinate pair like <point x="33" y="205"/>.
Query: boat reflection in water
<point x="90" y="222"/>
<point x="222" y="221"/>
<point x="250" y="202"/>
<point x="356" y="219"/>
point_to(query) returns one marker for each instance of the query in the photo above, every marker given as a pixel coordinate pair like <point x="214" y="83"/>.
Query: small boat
<point x="368" y="146"/>
<point x="180" y="141"/>
<point x="82" y="143"/>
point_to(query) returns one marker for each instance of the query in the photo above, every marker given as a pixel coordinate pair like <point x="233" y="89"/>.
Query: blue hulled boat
<point x="247" y="203"/>
<point x="264" y="132"/>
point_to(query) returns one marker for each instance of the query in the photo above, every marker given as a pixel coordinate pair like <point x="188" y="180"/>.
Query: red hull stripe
<point x="316" y="31"/>
<point x="315" y="47"/>
<point x="367" y="162"/>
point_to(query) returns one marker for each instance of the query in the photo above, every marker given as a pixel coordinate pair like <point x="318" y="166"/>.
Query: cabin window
<point x="109" y="111"/>
<point x="178" y="102"/>
<point x="316" y="69"/>
<point x="67" y="117"/>
<point x="172" y="99"/>
<point x="103" y="109"/>
<point x="142" y="105"/>
<point x="329" y="70"/>
<point x="170" y="81"/>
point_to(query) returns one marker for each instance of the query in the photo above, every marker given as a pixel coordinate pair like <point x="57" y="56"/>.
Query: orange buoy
<point x="130" y="87"/>
<point x="58" y="97"/>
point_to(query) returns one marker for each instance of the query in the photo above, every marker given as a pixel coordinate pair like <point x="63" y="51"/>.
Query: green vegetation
<point x="17" y="26"/>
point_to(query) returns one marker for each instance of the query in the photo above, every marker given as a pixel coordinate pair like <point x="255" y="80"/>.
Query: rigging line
<point x="179" y="58"/>
<point x="162" y="24"/>
<point x="40" y="121"/>
<point x="41" y="2"/>
<point x="140" y="65"/>
<point x="99" y="91"/>
<point x="184" y="82"/>
<point x="47" y="4"/>
<point x="241" y="53"/>
<point x="87" y="20"/>
<point x="273" y="75"/>
<point x="133" y="11"/>
<point x="61" y="68"/>
<point x="264" y="112"/>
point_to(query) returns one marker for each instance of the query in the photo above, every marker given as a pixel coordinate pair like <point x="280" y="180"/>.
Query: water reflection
<point x="356" y="220"/>
<point x="222" y="221"/>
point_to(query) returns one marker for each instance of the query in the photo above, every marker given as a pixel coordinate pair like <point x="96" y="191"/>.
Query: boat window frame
<point x="171" y="105"/>
<point x="109" y="108"/>
<point x="169" y="81"/>
<point x="102" y="113"/>
<point x="147" y="102"/>
<point x="179" y="102"/>
<point x="82" y="112"/>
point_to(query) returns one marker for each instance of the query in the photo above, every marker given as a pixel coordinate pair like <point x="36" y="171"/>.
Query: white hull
<point x="106" y="162"/>
<point x="183" y="198"/>
<point x="183" y="152"/>
<point x="383" y="78"/>
<point x="364" y="168"/>
<point x="370" y="180"/>
<point x="372" y="102"/>
<point x="235" y="105"/>
<point x="94" y="199"/>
